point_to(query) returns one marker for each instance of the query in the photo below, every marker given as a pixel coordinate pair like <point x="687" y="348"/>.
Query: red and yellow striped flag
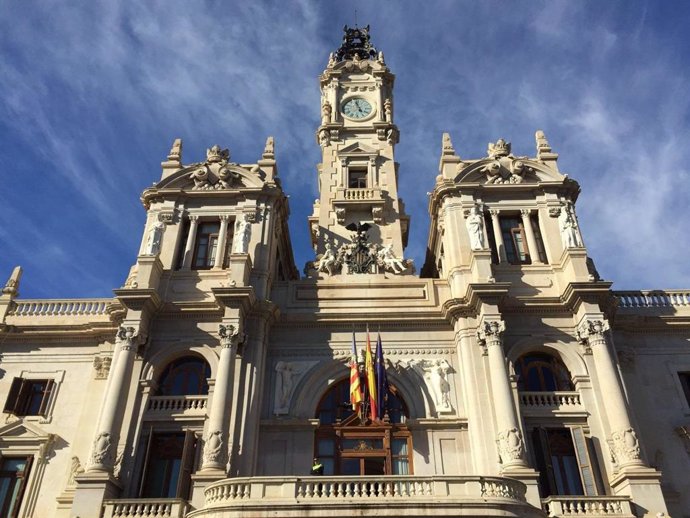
<point x="355" y="388"/>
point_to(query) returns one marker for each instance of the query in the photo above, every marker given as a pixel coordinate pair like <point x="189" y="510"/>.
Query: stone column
<point x="510" y="443"/>
<point x="189" y="246"/>
<point x="216" y="442"/>
<point x="102" y="458"/>
<point x="624" y="443"/>
<point x="498" y="236"/>
<point x="531" y="239"/>
<point x="222" y="237"/>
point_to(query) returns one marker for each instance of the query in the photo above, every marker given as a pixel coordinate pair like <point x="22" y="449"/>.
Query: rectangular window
<point x="14" y="472"/>
<point x="29" y="397"/>
<point x="205" y="246"/>
<point x="357" y="178"/>
<point x="168" y="465"/>
<point x="564" y="462"/>
<point x="537" y="237"/>
<point x="514" y="240"/>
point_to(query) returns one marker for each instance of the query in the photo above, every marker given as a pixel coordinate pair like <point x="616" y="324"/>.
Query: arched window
<point x="185" y="376"/>
<point x="542" y="372"/>
<point x="348" y="445"/>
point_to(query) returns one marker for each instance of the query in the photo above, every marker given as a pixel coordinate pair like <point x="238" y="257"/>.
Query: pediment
<point x="507" y="170"/>
<point x="23" y="431"/>
<point x="358" y="149"/>
<point x="213" y="177"/>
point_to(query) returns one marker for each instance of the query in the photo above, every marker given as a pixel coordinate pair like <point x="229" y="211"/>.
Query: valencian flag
<point x="355" y="388"/>
<point x="371" y="380"/>
<point x="381" y="379"/>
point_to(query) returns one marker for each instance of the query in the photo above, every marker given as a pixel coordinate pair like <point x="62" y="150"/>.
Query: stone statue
<point x="153" y="240"/>
<point x="570" y="233"/>
<point x="75" y="469"/>
<point x="475" y="228"/>
<point x="213" y="447"/>
<point x="326" y="111"/>
<point x="324" y="137"/>
<point x="269" y="148"/>
<point x="439" y="383"/>
<point x="388" y="260"/>
<point x="243" y="232"/>
<point x="328" y="261"/>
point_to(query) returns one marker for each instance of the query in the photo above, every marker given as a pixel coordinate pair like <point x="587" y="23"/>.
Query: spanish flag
<point x="355" y="388"/>
<point x="371" y="380"/>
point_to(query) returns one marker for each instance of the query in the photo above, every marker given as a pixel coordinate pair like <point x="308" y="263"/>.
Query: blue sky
<point x="93" y="94"/>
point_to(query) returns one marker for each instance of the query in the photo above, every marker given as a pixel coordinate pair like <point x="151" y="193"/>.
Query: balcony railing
<point x="652" y="298"/>
<point x="552" y="400"/>
<point x="52" y="308"/>
<point x="145" y="508"/>
<point x="172" y="405"/>
<point x="294" y="496"/>
<point x="588" y="506"/>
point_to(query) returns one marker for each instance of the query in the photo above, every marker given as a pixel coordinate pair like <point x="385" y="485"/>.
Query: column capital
<point x="193" y="217"/>
<point x="223" y="217"/>
<point x="126" y="338"/>
<point x="490" y="331"/>
<point x="592" y="330"/>
<point x="525" y="212"/>
<point x="494" y="212"/>
<point x="230" y="336"/>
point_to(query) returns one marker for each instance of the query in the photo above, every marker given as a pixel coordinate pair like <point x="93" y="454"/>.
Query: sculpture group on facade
<point x="216" y="172"/>
<point x="360" y="256"/>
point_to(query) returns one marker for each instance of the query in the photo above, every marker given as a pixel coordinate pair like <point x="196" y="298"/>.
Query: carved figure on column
<point x="570" y="232"/>
<point x="101" y="449"/>
<point x="491" y="331"/>
<point x="326" y="111"/>
<point x="154" y="238"/>
<point x="592" y="331"/>
<point x="213" y="447"/>
<point x="243" y="232"/>
<point x="75" y="469"/>
<point x="126" y="337"/>
<point x="511" y="446"/>
<point x="475" y="228"/>
<point x="625" y="446"/>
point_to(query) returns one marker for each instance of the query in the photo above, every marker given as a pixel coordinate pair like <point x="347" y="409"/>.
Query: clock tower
<point x="358" y="175"/>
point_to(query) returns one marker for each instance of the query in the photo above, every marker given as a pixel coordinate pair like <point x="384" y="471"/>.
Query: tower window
<point x="514" y="240"/>
<point x="205" y="246"/>
<point x="357" y="178"/>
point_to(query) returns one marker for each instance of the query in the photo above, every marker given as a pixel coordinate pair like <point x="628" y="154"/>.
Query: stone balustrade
<point x="360" y="194"/>
<point x="145" y="508"/>
<point x="58" y="308"/>
<point x="588" y="506"/>
<point x="550" y="399"/>
<point x="187" y="405"/>
<point x="391" y="495"/>
<point x="652" y="298"/>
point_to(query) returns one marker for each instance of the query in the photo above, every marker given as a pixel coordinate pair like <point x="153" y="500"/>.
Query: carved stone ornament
<point x="340" y="215"/>
<point x="490" y="331"/>
<point x="435" y="374"/>
<point x="326" y="111"/>
<point x="288" y="375"/>
<point x="229" y="335"/>
<point x="625" y="446"/>
<point x="356" y="45"/>
<point x="75" y="469"/>
<point x="166" y="217"/>
<point x="175" y="154"/>
<point x="213" y="448"/>
<point x="328" y="262"/>
<point x="388" y="261"/>
<point x="216" y="154"/>
<point x="377" y="215"/>
<point x="570" y="230"/>
<point x="101" y="366"/>
<point x="511" y="447"/>
<point x="500" y="148"/>
<point x="101" y="449"/>
<point x="243" y="234"/>
<point x="447" y="148"/>
<point x="269" y="149"/>
<point x="592" y="331"/>
<point x="154" y="239"/>
<point x="126" y="337"/>
<point x="543" y="145"/>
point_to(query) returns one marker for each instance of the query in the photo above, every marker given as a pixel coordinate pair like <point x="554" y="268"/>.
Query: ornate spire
<point x="356" y="43"/>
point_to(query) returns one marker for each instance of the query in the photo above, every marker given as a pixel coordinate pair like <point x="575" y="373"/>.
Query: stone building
<point x="520" y="383"/>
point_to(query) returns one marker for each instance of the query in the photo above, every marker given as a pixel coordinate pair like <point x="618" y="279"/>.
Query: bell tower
<point x="358" y="175"/>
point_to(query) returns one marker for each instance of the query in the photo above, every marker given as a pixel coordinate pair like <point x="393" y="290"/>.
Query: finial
<point x="542" y="144"/>
<point x="12" y="284"/>
<point x="447" y="148"/>
<point x="175" y="154"/>
<point x="268" y="149"/>
<point x="356" y="43"/>
<point x="216" y="154"/>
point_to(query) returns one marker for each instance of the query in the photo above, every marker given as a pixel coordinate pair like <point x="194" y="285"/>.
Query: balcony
<point x="176" y="407"/>
<point x="361" y="198"/>
<point x="550" y="403"/>
<point x="367" y="496"/>
<point x="145" y="507"/>
<point x="588" y="506"/>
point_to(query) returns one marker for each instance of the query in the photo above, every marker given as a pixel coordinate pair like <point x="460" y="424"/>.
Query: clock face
<point x="357" y="108"/>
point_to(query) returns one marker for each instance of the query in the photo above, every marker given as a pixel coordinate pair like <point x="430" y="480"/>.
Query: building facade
<point x="520" y="384"/>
